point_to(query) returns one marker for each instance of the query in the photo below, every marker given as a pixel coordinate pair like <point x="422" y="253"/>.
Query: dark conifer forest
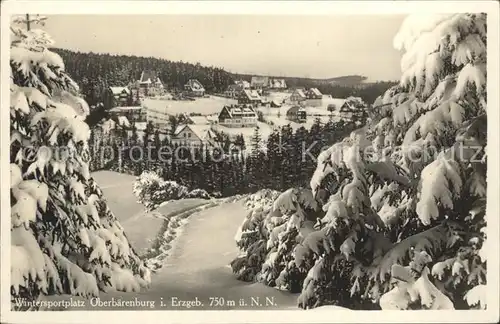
<point x="95" y="72"/>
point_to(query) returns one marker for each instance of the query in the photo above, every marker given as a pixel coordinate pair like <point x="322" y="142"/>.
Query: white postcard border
<point x="261" y="8"/>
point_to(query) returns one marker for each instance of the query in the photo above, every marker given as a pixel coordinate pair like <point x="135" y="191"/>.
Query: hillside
<point x="95" y="72"/>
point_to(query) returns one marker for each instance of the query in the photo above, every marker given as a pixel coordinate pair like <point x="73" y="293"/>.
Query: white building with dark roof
<point x="314" y="93"/>
<point x="251" y="97"/>
<point x="238" y="116"/>
<point x="298" y="96"/>
<point x="150" y="84"/>
<point x="194" y="136"/>
<point x="278" y="84"/>
<point x="121" y="96"/>
<point x="194" y="88"/>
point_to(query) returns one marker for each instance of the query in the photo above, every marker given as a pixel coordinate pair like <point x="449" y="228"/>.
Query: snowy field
<point x="198" y="265"/>
<point x="204" y="106"/>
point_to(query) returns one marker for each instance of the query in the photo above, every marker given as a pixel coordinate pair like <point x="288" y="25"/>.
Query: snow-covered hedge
<point x="198" y="193"/>
<point x="151" y="190"/>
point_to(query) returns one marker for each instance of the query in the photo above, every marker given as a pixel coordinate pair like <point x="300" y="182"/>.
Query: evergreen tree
<point x="256" y="142"/>
<point x="394" y="208"/>
<point x="147" y="160"/>
<point x="65" y="240"/>
<point x="274" y="159"/>
<point x="287" y="164"/>
<point x="239" y="142"/>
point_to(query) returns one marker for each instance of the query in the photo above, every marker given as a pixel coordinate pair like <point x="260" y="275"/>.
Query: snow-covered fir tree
<point x="64" y="238"/>
<point x="403" y="198"/>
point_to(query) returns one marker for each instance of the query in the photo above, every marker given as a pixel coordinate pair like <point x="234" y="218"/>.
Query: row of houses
<point x="259" y="84"/>
<point x="264" y="82"/>
<point x="302" y="95"/>
<point x="148" y="85"/>
<point x="343" y="108"/>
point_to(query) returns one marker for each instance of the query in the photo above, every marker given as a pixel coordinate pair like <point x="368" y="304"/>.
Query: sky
<point x="299" y="46"/>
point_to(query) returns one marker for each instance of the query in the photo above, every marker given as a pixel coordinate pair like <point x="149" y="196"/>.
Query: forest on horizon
<point x="96" y="72"/>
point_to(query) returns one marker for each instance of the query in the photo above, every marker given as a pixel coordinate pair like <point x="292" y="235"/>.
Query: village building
<point x="298" y="97"/>
<point x="242" y="84"/>
<point x="132" y="113"/>
<point x="251" y="97"/>
<point x="259" y="82"/>
<point x="296" y="114"/>
<point x="277" y="84"/>
<point x="194" y="88"/>
<point x="238" y="116"/>
<point x="120" y="96"/>
<point x="194" y="136"/>
<point x="275" y="103"/>
<point x="314" y="98"/>
<point x="344" y="108"/>
<point x="150" y="85"/>
<point x="352" y="107"/>
<point x="234" y="90"/>
<point x="314" y="93"/>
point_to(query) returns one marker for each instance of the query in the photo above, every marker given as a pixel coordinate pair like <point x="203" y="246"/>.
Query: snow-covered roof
<point x="194" y="84"/>
<point x="300" y="92"/>
<point x="315" y="91"/>
<point x="119" y="90"/>
<point x="125" y="108"/>
<point x="252" y="94"/>
<point x="203" y="132"/>
<point x="238" y="110"/>
<point x="178" y="129"/>
<point x="276" y="102"/>
<point x="149" y="77"/>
